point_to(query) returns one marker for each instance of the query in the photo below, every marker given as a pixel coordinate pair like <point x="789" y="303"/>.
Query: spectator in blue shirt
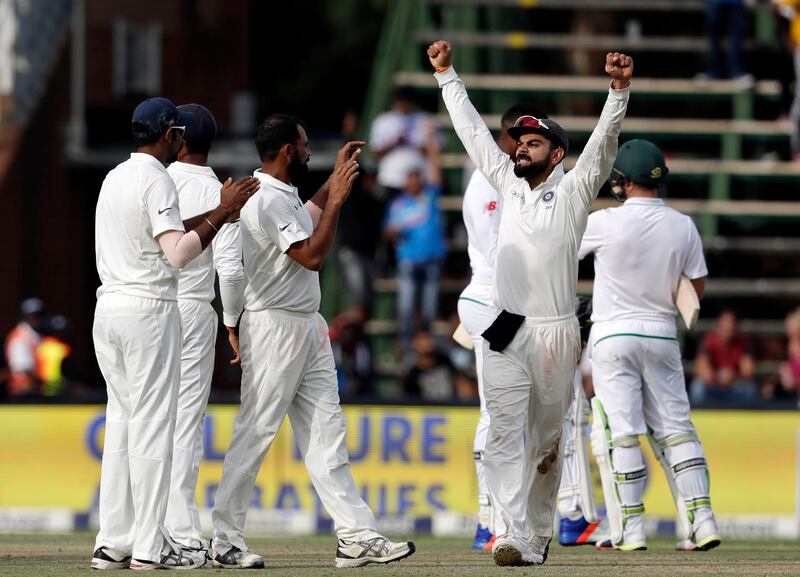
<point x="413" y="222"/>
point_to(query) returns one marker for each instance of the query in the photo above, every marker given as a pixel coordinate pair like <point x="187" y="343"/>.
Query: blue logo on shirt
<point x="548" y="196"/>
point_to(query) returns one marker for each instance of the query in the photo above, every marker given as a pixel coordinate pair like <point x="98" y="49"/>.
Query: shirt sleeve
<point x="495" y="165"/>
<point x="593" y="166"/>
<point x="227" y="248"/>
<point x="161" y="204"/>
<point x="20" y="357"/>
<point x="593" y="237"/>
<point x="695" y="266"/>
<point x="280" y="224"/>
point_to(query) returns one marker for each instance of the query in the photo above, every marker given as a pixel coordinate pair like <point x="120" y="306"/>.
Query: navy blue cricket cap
<point x="201" y="128"/>
<point x="155" y="116"/>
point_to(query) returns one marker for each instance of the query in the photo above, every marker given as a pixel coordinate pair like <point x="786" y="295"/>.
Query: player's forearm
<point x="321" y="242"/>
<point x="321" y="196"/>
<point x="594" y="163"/>
<point x="231" y="293"/>
<point x="471" y="129"/>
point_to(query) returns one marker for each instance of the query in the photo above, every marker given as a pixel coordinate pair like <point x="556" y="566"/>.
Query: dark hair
<point x="142" y="135"/>
<point x="521" y="109"/>
<point x="274" y="132"/>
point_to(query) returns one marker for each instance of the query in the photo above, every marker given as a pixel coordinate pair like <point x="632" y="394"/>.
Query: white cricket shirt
<point x="198" y="192"/>
<point x="271" y="221"/>
<point x="481" y="211"/>
<point x="641" y="249"/>
<point x="386" y="129"/>
<point x="536" y="267"/>
<point x="138" y="201"/>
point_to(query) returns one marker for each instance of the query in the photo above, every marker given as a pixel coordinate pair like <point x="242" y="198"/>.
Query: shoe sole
<point x="509" y="556"/>
<point x="217" y="565"/>
<point x="708" y="543"/>
<point x="345" y="563"/>
<point x="102" y="564"/>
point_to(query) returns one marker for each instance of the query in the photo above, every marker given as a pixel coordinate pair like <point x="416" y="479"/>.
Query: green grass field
<point x="67" y="555"/>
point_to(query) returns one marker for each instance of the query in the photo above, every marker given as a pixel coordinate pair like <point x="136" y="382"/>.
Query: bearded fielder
<point x="534" y="344"/>
<point x="641" y="251"/>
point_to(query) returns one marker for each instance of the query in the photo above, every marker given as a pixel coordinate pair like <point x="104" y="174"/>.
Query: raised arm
<point x="594" y="164"/>
<point x="495" y="165"/>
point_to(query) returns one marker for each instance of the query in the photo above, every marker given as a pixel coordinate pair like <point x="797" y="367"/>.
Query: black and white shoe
<point x="105" y="558"/>
<point x="375" y="550"/>
<point x="235" y="558"/>
<point x="172" y="557"/>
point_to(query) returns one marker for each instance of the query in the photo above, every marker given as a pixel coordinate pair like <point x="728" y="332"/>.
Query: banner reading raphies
<point x="410" y="461"/>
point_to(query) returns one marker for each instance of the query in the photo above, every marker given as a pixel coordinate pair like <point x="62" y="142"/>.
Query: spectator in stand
<point x="724" y="367"/>
<point x="790" y="369"/>
<point x="21" y="345"/>
<point x="413" y="222"/>
<point x="352" y="354"/>
<point x="432" y="376"/>
<point x="715" y="11"/>
<point x="359" y="236"/>
<point x="400" y="140"/>
<point x="54" y="364"/>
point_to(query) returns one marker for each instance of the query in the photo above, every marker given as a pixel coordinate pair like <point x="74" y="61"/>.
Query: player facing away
<point x="481" y="213"/>
<point x="140" y="244"/>
<point x="641" y="249"/>
<point x="534" y="343"/>
<point x="287" y="362"/>
<point x="199" y="192"/>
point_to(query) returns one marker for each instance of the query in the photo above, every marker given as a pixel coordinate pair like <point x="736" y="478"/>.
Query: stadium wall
<point x="413" y="464"/>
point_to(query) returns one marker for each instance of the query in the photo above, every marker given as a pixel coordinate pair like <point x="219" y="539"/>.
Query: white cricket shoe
<point x="512" y="551"/>
<point x="107" y="558"/>
<point x="235" y="558"/>
<point x="172" y="557"/>
<point x="375" y="550"/>
<point x="705" y="537"/>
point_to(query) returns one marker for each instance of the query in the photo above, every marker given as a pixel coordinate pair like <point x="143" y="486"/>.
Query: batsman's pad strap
<point x="568" y="448"/>
<point x="630" y="510"/>
<point x="678" y="438"/>
<point x="567" y="492"/>
<point x="483" y="500"/>
<point x="630" y="476"/>
<point x="697" y="503"/>
<point x="477" y="455"/>
<point x="629" y="441"/>
<point x="502" y="331"/>
<point x="688" y="465"/>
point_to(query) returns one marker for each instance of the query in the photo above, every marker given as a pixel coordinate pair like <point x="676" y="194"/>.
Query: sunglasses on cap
<point x="181" y="128"/>
<point x="530" y="122"/>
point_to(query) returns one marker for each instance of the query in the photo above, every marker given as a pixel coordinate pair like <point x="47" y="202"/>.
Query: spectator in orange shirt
<point x="21" y="344"/>
<point x="724" y="367"/>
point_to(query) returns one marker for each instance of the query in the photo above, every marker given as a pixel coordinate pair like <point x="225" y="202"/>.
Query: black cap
<point x="546" y="127"/>
<point x="155" y="116"/>
<point x="201" y="127"/>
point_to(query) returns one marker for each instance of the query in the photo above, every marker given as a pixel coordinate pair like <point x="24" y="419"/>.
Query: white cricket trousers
<point x="199" y="326"/>
<point x="476" y="312"/>
<point x="288" y="368"/>
<point x="138" y="343"/>
<point x="528" y="389"/>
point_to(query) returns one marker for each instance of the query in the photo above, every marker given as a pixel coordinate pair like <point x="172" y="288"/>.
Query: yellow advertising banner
<point x="406" y="460"/>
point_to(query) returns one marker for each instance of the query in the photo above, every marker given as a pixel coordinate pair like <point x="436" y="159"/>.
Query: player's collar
<point x="274" y="182"/>
<point x="148" y="158"/>
<point x="645" y="201"/>
<point x="191" y="168"/>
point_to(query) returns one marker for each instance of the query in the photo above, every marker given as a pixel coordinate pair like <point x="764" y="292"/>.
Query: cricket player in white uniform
<point x="198" y="192"/>
<point x="140" y="244"/>
<point x="481" y="213"/>
<point x="287" y="361"/>
<point x="641" y="249"/>
<point x="534" y="343"/>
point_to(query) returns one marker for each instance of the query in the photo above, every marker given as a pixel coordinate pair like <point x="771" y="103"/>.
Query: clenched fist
<point x="619" y="67"/>
<point x="440" y="53"/>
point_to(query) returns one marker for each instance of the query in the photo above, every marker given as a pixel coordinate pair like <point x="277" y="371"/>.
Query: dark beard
<point x="533" y="170"/>
<point x="297" y="170"/>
